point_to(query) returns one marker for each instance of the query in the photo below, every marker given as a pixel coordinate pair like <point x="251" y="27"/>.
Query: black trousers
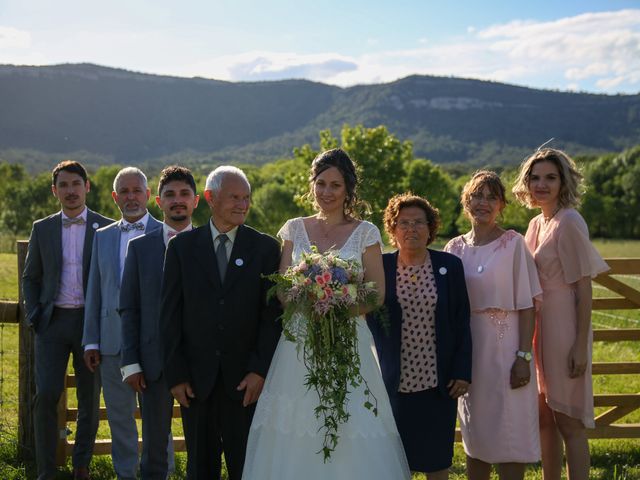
<point x="212" y="426"/>
<point x="53" y="345"/>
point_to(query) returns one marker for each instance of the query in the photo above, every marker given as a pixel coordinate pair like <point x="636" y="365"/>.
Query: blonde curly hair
<point x="571" y="186"/>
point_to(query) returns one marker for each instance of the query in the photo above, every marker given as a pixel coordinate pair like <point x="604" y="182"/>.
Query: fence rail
<point x="620" y="405"/>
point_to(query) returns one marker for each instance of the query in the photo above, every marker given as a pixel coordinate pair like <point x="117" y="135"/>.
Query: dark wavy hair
<point x="338" y="158"/>
<point x="176" y="172"/>
<point x="70" y="166"/>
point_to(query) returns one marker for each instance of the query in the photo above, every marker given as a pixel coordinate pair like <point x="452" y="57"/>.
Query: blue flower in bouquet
<point x="326" y="291"/>
<point x="340" y="275"/>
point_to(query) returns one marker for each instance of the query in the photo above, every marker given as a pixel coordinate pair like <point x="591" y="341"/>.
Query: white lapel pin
<point x="95" y="225"/>
<point x="239" y="262"/>
<point x="443" y="270"/>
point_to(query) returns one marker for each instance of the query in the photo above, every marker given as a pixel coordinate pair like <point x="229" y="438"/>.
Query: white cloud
<point x="13" y="38"/>
<point x="591" y="52"/>
<point x="256" y="66"/>
<point x="598" y="51"/>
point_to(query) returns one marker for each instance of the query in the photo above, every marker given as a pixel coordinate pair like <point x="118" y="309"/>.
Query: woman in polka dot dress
<point x="425" y="355"/>
<point x="499" y="414"/>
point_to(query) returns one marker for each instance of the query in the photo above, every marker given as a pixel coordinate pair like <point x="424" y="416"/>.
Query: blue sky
<point x="569" y="45"/>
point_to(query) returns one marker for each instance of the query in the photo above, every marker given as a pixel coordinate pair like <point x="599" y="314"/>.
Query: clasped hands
<point x="252" y="385"/>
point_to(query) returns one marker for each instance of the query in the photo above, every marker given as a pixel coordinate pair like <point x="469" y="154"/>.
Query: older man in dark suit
<point x="139" y="309"/>
<point x="218" y="329"/>
<point x="54" y="284"/>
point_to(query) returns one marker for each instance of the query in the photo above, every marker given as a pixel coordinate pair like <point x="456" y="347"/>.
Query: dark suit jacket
<point x="43" y="265"/>
<point x="140" y="303"/>
<point x="453" y="335"/>
<point x="210" y="327"/>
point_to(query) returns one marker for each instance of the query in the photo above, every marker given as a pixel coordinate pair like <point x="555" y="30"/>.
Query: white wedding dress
<point x="285" y="436"/>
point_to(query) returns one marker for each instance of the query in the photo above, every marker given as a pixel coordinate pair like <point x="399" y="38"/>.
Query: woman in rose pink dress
<point x="566" y="261"/>
<point x="499" y="414"/>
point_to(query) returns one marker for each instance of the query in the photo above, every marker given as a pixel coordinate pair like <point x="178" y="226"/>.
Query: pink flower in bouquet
<point x="323" y="279"/>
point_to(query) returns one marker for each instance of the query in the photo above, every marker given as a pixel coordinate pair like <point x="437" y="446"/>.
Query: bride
<point x="286" y="438"/>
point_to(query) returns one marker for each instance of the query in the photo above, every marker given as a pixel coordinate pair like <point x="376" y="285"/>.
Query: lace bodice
<point x="363" y="236"/>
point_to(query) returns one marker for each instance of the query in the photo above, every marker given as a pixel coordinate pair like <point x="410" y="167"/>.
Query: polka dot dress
<point x="417" y="295"/>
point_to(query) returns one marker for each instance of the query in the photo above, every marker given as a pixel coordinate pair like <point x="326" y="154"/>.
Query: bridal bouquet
<point x="323" y="292"/>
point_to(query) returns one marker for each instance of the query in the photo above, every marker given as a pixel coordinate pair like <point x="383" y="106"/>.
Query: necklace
<point x="548" y="219"/>
<point x="413" y="268"/>
<point x="327" y="229"/>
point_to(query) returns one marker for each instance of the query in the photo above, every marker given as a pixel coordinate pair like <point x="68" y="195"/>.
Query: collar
<point x="166" y="229"/>
<point x="231" y="233"/>
<point x="144" y="220"/>
<point x="83" y="214"/>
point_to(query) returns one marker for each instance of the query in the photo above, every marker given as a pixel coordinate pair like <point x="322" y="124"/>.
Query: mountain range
<point x="134" y="118"/>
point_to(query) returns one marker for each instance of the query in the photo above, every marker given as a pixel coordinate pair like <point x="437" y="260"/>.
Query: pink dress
<point x="499" y="424"/>
<point x="564" y="255"/>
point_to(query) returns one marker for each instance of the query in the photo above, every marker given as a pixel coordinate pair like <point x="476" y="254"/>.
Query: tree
<point x="430" y="181"/>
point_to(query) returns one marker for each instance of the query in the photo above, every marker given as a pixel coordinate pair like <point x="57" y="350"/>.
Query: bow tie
<point x="171" y="234"/>
<point x="67" y="222"/>
<point x="132" y="226"/>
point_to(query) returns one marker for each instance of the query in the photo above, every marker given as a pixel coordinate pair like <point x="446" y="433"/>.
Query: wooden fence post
<point x="26" y="379"/>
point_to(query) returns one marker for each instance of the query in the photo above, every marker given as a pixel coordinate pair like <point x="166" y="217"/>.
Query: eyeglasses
<point x="407" y="224"/>
<point x="478" y="197"/>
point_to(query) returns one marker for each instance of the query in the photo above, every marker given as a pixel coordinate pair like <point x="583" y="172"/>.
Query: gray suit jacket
<point x="43" y="265"/>
<point x="140" y="303"/>
<point x="101" y="318"/>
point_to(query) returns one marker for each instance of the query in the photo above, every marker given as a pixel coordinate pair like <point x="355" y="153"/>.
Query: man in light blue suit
<point x="140" y="311"/>
<point x="102" y="328"/>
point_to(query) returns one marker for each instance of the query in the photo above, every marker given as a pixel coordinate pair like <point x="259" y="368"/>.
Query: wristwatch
<point x="526" y="356"/>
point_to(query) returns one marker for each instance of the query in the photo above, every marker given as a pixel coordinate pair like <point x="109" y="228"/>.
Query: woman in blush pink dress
<point x="566" y="261"/>
<point x="499" y="415"/>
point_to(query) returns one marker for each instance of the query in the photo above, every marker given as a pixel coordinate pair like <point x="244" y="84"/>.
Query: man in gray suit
<point x="54" y="283"/>
<point x="140" y="311"/>
<point x="102" y="328"/>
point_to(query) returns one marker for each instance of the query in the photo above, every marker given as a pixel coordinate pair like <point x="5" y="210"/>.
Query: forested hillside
<point x="106" y="115"/>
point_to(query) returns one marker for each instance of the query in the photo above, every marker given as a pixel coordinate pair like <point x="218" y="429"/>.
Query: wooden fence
<point x="620" y="405"/>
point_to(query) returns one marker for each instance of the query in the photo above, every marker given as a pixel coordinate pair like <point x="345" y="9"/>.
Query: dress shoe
<point x="81" y="473"/>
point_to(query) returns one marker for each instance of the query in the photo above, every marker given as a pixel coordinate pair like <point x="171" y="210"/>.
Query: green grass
<point x="612" y="459"/>
<point x="8" y="276"/>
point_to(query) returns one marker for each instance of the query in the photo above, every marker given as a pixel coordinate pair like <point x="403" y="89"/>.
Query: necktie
<point x="221" y="255"/>
<point x="67" y="222"/>
<point x="127" y="227"/>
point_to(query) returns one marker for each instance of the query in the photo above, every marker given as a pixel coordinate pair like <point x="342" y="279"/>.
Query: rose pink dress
<point x="563" y="255"/>
<point x="499" y="424"/>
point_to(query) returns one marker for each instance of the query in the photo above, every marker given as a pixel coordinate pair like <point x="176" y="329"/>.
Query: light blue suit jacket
<point x="101" y="319"/>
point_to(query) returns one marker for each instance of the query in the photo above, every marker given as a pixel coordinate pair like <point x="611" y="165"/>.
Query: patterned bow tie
<point x="67" y="222"/>
<point x="132" y="226"/>
<point x="171" y="234"/>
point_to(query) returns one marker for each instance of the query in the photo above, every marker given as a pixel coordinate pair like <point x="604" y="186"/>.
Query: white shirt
<point x="166" y="229"/>
<point x="126" y="236"/>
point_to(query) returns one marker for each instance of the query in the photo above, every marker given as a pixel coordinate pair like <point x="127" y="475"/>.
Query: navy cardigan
<point x="453" y="334"/>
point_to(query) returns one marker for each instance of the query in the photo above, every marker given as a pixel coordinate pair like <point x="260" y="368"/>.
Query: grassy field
<point x="612" y="459"/>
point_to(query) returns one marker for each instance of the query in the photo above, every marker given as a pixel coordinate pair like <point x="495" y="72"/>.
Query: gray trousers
<point x="120" y="401"/>
<point x="53" y="345"/>
<point x="157" y="442"/>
